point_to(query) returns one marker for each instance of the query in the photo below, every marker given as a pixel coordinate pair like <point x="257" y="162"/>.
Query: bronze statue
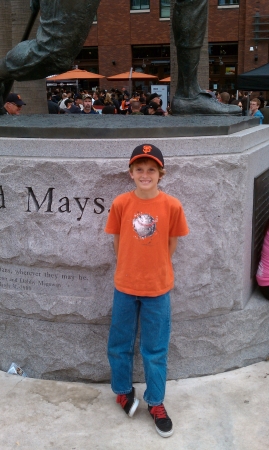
<point x="64" y="27"/>
<point x="189" y="27"/>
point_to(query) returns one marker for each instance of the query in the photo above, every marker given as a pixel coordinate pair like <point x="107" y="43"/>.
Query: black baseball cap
<point x="152" y="96"/>
<point x="15" y="98"/>
<point x="153" y="105"/>
<point x="147" y="151"/>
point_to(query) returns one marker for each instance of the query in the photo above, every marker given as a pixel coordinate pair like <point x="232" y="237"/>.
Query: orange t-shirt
<point x="144" y="266"/>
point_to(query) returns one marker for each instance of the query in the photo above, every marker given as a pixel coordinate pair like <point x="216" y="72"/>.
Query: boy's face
<point x="253" y="106"/>
<point x="146" y="176"/>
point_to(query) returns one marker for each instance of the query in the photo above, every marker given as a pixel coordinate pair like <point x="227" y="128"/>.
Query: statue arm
<point x="34" y="5"/>
<point x="54" y="48"/>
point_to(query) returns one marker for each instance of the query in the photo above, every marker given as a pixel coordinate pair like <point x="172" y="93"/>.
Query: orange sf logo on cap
<point x="147" y="148"/>
<point x="19" y="97"/>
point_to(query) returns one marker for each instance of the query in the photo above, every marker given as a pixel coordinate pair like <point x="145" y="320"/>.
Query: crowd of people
<point x="121" y="102"/>
<point x="250" y="103"/>
<point x="104" y="102"/>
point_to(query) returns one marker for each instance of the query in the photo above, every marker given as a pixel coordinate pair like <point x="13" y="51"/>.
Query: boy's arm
<point x="116" y="244"/>
<point x="172" y="245"/>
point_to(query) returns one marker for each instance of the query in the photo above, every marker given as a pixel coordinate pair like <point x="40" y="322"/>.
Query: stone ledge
<point x="74" y="126"/>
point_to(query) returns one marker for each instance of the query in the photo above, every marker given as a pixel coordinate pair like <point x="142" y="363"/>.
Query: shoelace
<point x="122" y="399"/>
<point x="159" y="412"/>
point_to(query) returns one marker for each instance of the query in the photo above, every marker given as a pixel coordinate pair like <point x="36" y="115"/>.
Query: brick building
<point x="136" y="33"/>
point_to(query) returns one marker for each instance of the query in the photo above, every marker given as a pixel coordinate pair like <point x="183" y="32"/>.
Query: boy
<point x="146" y="223"/>
<point x="254" y="109"/>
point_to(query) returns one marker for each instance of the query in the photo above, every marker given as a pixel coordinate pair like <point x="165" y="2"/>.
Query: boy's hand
<point x="172" y="245"/>
<point x="116" y="244"/>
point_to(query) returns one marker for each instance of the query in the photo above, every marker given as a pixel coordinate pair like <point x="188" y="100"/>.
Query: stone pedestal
<point x="56" y="262"/>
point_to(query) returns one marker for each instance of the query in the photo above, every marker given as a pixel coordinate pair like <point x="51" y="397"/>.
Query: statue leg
<point x="189" y="27"/>
<point x="64" y="27"/>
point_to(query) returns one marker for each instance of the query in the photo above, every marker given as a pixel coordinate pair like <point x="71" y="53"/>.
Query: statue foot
<point x="203" y="104"/>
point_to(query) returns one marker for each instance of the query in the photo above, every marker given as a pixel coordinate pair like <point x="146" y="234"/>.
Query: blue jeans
<point x="155" y="326"/>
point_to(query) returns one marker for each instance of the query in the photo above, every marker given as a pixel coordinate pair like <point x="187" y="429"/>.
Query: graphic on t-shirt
<point x="144" y="225"/>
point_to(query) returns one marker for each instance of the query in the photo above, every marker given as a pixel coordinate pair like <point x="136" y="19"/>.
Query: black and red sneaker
<point x="163" y="423"/>
<point x="128" y="402"/>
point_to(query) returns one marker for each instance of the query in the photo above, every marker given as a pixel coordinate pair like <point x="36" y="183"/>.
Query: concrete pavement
<point x="227" y="411"/>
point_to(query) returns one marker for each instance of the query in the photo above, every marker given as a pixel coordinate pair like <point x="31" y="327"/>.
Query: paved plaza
<point x="228" y="411"/>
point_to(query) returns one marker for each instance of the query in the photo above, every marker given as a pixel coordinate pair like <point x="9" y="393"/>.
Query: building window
<point x="151" y="52"/>
<point x="164" y="8"/>
<point x="223" y="59"/>
<point x="228" y="2"/>
<point x="139" y="4"/>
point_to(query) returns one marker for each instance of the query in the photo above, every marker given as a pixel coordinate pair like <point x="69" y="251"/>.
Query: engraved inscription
<point x="44" y="281"/>
<point x="46" y="202"/>
<point x="2" y="198"/>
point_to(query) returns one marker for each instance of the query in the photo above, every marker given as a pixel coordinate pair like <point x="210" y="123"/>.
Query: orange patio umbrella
<point x="131" y="75"/>
<point x="166" y="80"/>
<point x="76" y="74"/>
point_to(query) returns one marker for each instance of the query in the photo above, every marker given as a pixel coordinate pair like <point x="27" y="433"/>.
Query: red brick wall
<point x="222" y="23"/>
<point x="118" y="29"/>
<point x="236" y="25"/>
<point x="246" y="60"/>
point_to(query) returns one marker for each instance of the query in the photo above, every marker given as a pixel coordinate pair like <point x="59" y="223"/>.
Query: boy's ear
<point x="131" y="175"/>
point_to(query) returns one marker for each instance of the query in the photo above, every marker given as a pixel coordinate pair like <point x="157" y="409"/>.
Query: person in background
<point x="238" y="103"/>
<point x="125" y="104"/>
<point x="135" y="108"/>
<point x="13" y="105"/>
<point x="265" y="113"/>
<point x="262" y="275"/>
<point x="56" y="96"/>
<point x="109" y="109"/>
<point x="70" y="108"/>
<point x="115" y="102"/>
<point x="143" y="99"/>
<point x="254" y="109"/>
<point x="224" y="98"/>
<point x="108" y="100"/>
<point x="154" y="109"/>
<point x="245" y="100"/>
<point x="78" y="101"/>
<point x="96" y="99"/>
<point x="153" y="98"/>
<point x="232" y="98"/>
<point x="62" y="101"/>
<point x="262" y="100"/>
<point x="87" y="106"/>
<point x="103" y="93"/>
<point x="52" y="106"/>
